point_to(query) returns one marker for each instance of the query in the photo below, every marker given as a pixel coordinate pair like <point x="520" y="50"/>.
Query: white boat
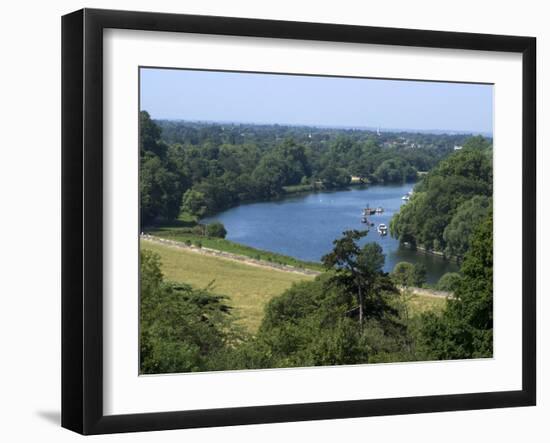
<point x="405" y="198"/>
<point x="382" y="229"/>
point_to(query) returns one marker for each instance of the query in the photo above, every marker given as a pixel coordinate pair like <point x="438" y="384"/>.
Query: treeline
<point x="205" y="168"/>
<point x="449" y="202"/>
<point x="198" y="133"/>
<point x="353" y="313"/>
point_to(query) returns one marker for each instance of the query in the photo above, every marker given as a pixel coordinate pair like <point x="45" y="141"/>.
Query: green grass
<point x="184" y="234"/>
<point x="248" y="287"/>
<point x="418" y="304"/>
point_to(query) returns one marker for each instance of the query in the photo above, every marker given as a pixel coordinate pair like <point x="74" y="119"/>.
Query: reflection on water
<point x="305" y="226"/>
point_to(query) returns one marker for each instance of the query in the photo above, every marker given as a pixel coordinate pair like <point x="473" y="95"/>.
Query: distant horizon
<point x="323" y="126"/>
<point x="317" y="101"/>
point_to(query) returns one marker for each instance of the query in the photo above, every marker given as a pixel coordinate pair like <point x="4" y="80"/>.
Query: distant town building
<point x="457" y="148"/>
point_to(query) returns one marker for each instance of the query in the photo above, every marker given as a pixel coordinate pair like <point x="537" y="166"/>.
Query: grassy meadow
<point x="418" y="304"/>
<point x="248" y="287"/>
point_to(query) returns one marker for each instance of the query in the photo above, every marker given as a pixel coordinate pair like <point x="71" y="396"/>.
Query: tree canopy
<point x="407" y="274"/>
<point x="216" y="229"/>
<point x="182" y="329"/>
<point x="465" y="330"/>
<point x="459" y="187"/>
<point x="161" y="182"/>
<point x="466" y="218"/>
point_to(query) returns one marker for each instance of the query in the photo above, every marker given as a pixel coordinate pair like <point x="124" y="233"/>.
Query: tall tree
<point x="359" y="269"/>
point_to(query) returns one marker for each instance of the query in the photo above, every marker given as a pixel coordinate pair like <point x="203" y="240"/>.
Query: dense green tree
<point x="194" y="203"/>
<point x="455" y="180"/>
<point x="419" y="274"/>
<point x="159" y="191"/>
<point x="182" y="329"/>
<point x="149" y="137"/>
<point x="477" y="142"/>
<point x="458" y="232"/>
<point x="449" y="282"/>
<point x="395" y="171"/>
<point x="407" y="274"/>
<point x="216" y="229"/>
<point x="465" y="330"/>
<point x="403" y="274"/>
<point x="359" y="270"/>
<point x="270" y="176"/>
<point x="333" y="177"/>
<point x="161" y="184"/>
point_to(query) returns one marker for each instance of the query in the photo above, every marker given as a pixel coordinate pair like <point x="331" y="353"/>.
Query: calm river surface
<point x="304" y="226"/>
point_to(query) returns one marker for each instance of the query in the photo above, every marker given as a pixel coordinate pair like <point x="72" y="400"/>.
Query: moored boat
<point x="369" y="211"/>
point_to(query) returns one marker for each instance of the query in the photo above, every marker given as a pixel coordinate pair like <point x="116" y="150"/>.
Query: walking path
<point x="230" y="256"/>
<point x="424" y="292"/>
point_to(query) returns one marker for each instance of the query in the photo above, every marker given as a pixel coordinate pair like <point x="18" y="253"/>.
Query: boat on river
<point x="407" y="196"/>
<point x="382" y="229"/>
<point x="369" y="211"/>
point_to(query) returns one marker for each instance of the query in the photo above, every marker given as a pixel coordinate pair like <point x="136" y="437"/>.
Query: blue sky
<point x="323" y="101"/>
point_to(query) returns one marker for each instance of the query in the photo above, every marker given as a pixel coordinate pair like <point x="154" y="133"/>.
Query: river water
<point x="304" y="226"/>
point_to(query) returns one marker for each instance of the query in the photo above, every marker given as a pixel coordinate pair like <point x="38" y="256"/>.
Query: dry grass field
<point x="248" y="287"/>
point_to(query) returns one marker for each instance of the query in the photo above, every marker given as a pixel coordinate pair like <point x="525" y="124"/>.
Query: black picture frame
<point x="82" y="215"/>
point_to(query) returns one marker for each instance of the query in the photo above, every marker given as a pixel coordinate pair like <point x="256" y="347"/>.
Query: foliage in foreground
<point x="182" y="329"/>
<point x="449" y="282"/>
<point x="465" y="330"/>
<point x="406" y="274"/>
<point x="350" y="314"/>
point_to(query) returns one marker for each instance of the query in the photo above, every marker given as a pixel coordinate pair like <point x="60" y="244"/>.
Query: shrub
<point x="448" y="282"/>
<point x="406" y="274"/>
<point x="216" y="229"/>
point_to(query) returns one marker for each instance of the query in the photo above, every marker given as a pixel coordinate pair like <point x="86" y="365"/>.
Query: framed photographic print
<point x="269" y="221"/>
